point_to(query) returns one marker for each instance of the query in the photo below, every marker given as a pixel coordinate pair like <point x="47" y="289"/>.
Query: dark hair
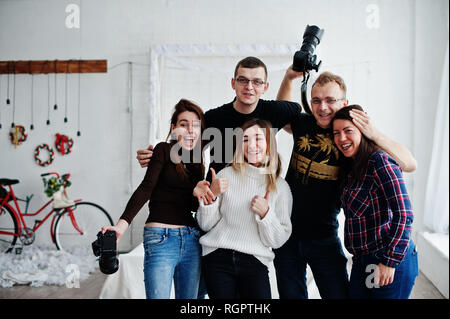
<point x="182" y="106"/>
<point x="185" y="105"/>
<point x="250" y="62"/>
<point x="356" y="166"/>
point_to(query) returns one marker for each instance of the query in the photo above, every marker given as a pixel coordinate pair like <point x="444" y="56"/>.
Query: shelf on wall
<point x="53" y="66"/>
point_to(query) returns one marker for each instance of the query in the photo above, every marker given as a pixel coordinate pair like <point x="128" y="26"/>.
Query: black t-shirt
<point x="226" y="118"/>
<point x="313" y="176"/>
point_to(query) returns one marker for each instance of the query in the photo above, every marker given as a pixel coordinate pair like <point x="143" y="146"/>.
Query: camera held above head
<point x="305" y="59"/>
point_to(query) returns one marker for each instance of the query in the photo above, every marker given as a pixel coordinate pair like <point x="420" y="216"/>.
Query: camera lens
<point x="311" y="38"/>
<point x="108" y="264"/>
<point x="305" y="60"/>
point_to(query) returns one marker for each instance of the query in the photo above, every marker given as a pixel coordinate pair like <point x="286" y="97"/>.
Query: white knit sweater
<point x="231" y="224"/>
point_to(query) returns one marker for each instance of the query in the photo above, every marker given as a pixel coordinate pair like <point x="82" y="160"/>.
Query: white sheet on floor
<point x="128" y="281"/>
<point x="40" y="265"/>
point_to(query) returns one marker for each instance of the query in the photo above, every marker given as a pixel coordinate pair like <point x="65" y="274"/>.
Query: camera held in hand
<point x="305" y="59"/>
<point x="105" y="247"/>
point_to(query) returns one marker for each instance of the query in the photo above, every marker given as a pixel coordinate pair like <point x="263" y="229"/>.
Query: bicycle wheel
<point x="78" y="226"/>
<point x="8" y="223"/>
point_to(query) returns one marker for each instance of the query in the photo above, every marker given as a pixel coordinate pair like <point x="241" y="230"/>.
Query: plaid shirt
<point x="378" y="212"/>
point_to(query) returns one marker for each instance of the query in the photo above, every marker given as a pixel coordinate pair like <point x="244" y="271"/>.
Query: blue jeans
<point x="328" y="265"/>
<point x="172" y="254"/>
<point x="362" y="275"/>
<point x="230" y="274"/>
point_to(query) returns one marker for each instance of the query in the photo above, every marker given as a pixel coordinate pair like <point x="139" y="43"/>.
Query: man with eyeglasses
<point x="313" y="176"/>
<point x="250" y="83"/>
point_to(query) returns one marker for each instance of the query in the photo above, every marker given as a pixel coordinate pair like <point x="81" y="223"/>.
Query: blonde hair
<point x="272" y="163"/>
<point x="327" y="77"/>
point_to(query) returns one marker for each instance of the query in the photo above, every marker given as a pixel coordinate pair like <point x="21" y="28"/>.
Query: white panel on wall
<point x="381" y="63"/>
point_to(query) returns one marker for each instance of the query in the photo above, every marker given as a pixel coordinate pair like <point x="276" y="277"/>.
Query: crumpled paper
<point x="40" y="265"/>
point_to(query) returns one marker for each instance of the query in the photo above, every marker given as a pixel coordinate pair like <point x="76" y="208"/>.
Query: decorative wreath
<point x="51" y="153"/>
<point x="63" y="143"/>
<point x="18" y="135"/>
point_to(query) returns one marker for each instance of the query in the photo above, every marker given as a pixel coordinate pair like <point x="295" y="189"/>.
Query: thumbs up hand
<point x="260" y="205"/>
<point x="218" y="185"/>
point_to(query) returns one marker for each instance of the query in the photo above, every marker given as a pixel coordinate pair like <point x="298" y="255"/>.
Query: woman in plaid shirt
<point x="378" y="215"/>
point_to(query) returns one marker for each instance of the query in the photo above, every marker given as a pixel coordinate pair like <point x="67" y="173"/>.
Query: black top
<point x="170" y="195"/>
<point x="313" y="176"/>
<point x="278" y="113"/>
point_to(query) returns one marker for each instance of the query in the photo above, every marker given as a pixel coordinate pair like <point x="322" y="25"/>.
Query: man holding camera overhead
<point x="313" y="176"/>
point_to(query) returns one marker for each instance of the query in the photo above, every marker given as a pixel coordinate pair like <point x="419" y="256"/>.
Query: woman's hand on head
<point x="364" y="124"/>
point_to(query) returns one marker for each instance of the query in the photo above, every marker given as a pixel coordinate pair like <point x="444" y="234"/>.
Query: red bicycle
<point x="72" y="226"/>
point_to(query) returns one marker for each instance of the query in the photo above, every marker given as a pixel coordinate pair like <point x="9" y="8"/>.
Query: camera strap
<point x="305" y="104"/>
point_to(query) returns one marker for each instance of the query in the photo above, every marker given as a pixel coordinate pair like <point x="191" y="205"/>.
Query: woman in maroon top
<point x="172" y="250"/>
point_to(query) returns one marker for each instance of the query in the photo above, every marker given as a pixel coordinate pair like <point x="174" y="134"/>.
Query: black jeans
<point x="328" y="265"/>
<point x="230" y="274"/>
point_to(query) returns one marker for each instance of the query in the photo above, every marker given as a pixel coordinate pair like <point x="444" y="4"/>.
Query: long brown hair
<point x="182" y="106"/>
<point x="356" y="166"/>
<point x="273" y="162"/>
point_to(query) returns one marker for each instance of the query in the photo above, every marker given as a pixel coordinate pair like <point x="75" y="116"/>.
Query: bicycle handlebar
<point x="51" y="173"/>
<point x="57" y="175"/>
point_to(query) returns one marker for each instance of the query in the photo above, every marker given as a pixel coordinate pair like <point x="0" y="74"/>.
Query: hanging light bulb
<point x="7" y="85"/>
<point x="32" y="101"/>
<point x="0" y="108"/>
<point x="79" y="96"/>
<point x="65" y="92"/>
<point x="55" y="107"/>
<point x="14" y="96"/>
<point x="48" y="98"/>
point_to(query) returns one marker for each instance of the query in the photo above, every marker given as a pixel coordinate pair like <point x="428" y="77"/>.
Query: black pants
<point x="230" y="274"/>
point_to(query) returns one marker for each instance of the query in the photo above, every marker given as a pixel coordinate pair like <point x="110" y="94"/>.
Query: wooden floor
<point x="90" y="289"/>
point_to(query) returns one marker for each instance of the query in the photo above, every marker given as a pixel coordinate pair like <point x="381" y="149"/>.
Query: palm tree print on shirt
<point x="323" y="147"/>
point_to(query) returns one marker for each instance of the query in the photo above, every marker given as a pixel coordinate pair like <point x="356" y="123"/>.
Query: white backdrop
<point x="385" y="50"/>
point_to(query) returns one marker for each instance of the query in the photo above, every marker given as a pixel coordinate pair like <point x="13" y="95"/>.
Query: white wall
<point x="393" y="71"/>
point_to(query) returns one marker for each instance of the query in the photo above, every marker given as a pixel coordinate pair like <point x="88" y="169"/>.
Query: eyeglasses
<point x="244" y="81"/>
<point x="327" y="100"/>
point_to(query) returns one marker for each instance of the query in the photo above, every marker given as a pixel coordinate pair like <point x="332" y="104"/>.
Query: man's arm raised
<point x="399" y="152"/>
<point x="285" y="90"/>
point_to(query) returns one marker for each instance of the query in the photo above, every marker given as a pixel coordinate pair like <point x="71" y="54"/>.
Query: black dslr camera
<point x="305" y="59"/>
<point x="105" y="247"/>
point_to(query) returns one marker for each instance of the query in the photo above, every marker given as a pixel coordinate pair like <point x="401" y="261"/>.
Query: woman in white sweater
<point x="250" y="216"/>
